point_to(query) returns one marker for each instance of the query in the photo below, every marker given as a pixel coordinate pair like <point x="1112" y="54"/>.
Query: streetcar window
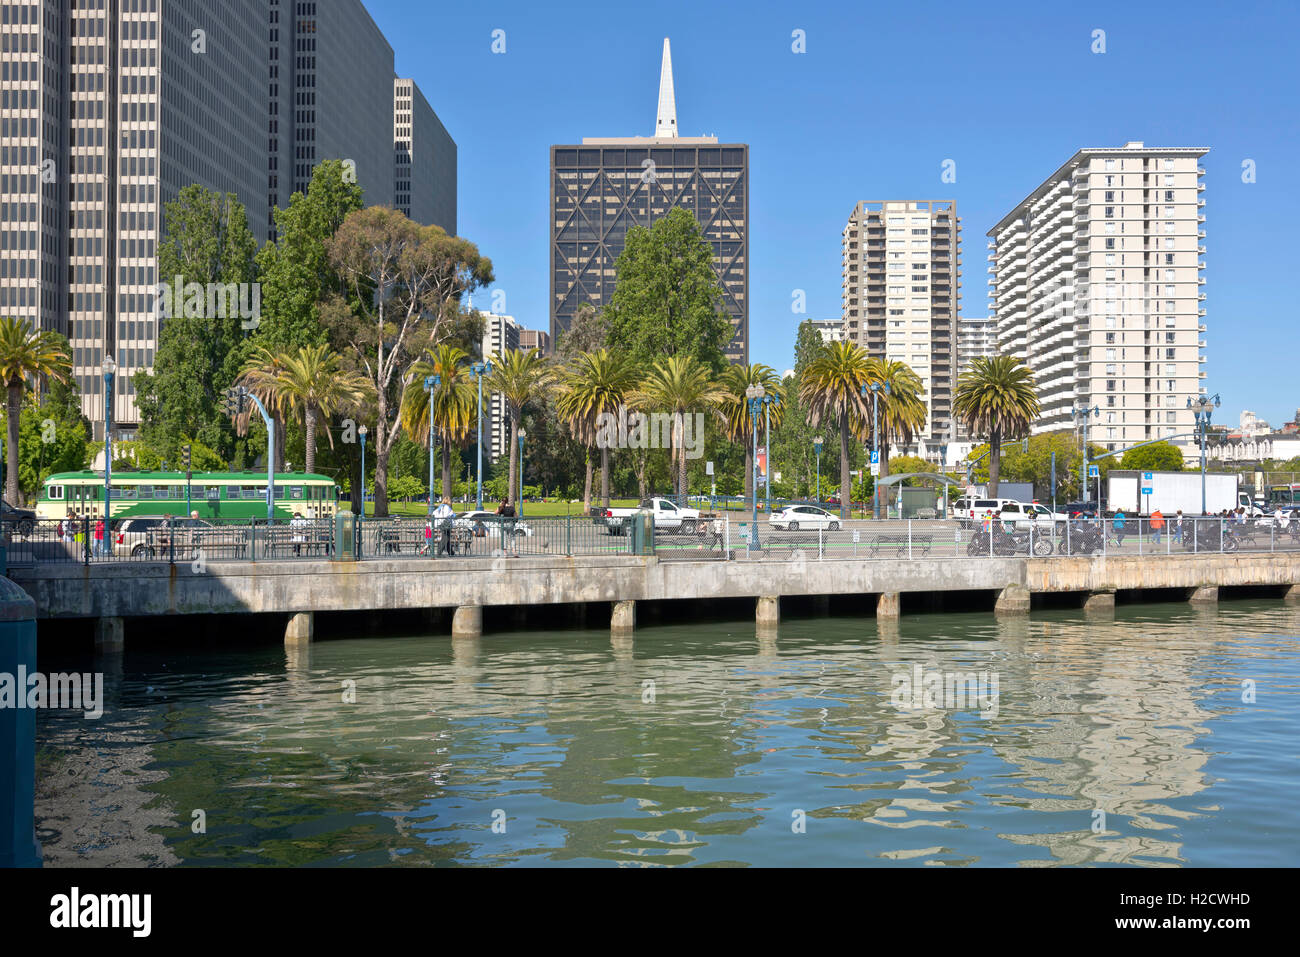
<point x="56" y="493"/>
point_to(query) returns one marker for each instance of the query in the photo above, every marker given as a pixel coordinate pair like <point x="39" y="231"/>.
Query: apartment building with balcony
<point x="901" y="292"/>
<point x="1096" y="281"/>
<point x="976" y="336"/>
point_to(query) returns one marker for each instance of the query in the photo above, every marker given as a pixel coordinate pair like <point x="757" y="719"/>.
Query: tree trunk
<point x="13" y="409"/>
<point x="642" y="467"/>
<point x="995" y="460"/>
<point x="846" y="480"/>
<point x="381" y="483"/>
<point x="279" y="419"/>
<point x="604" y="476"/>
<point x="586" y="487"/>
<point x="310" y="464"/>
<point x="679" y="430"/>
<point x="514" y="455"/>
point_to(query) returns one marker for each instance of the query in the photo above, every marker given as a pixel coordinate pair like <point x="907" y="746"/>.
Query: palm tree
<point x="733" y="408"/>
<point x="831" y="387"/>
<point x="996" y="396"/>
<point x="902" y="409"/>
<point x="312" y="382"/>
<point x="519" y="377"/>
<point x="25" y="354"/>
<point x="678" y="385"/>
<point x="595" y="385"/>
<point x="454" y="404"/>
<point x="260" y="374"/>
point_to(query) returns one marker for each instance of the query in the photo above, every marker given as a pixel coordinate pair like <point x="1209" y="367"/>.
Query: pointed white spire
<point x="666" y="120"/>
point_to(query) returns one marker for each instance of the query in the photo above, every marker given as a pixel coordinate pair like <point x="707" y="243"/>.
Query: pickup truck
<point x="666" y="516"/>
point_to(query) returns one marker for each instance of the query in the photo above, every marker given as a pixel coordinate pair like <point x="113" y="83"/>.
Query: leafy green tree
<point x="667" y="300"/>
<point x="594" y="384"/>
<point x="808" y="345"/>
<point x="52" y="437"/>
<point x="295" y="270"/>
<point x="902" y="409"/>
<point x="405" y="285"/>
<point x="27" y="355"/>
<point x="733" y="409"/>
<point x="519" y="377"/>
<point x="199" y="356"/>
<point x="831" y="387"/>
<point x="587" y="332"/>
<point x="1160" y="457"/>
<point x="996" y="397"/>
<point x="679" y="385"/>
<point x="911" y="463"/>
<point x="313" y="384"/>
<point x="455" y="403"/>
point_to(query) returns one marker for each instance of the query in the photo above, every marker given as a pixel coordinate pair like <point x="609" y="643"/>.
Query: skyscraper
<point x="603" y="187"/>
<point x="1097" y="284"/>
<point x="500" y="335"/>
<point x="424" y="159"/>
<point x="110" y="109"/>
<point x="901" y="287"/>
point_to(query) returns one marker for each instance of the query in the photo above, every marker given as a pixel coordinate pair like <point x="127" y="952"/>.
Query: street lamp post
<point x="110" y="367"/>
<point x="431" y="384"/>
<point x="875" y="444"/>
<point x="817" y="448"/>
<point x="479" y="370"/>
<point x="767" y="453"/>
<point x="1202" y="408"/>
<point x="754" y="394"/>
<point x="1082" y="413"/>
<point x="362" y="432"/>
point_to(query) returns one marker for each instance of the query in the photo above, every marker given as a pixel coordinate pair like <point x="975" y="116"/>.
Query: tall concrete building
<point x="1097" y="284"/>
<point x="109" y="109"/>
<point x="537" y="339"/>
<point x="901" y="290"/>
<point x="424" y="160"/>
<point x="830" y="330"/>
<point x="603" y="187"/>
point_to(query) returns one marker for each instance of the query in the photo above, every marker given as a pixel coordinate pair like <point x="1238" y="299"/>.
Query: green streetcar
<point x="223" y="496"/>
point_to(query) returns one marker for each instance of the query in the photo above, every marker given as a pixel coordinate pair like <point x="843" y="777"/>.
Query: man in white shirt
<point x="442" y="518"/>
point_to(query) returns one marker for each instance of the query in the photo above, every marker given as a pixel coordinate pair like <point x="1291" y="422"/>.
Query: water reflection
<point x="701" y="744"/>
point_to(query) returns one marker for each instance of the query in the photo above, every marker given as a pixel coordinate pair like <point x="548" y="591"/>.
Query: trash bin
<point x="18" y="846"/>
<point x="345" y="527"/>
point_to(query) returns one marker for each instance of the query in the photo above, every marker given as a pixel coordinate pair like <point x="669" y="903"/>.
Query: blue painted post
<point x="18" y="845"/>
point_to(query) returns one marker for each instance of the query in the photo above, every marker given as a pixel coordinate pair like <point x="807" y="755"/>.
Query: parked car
<point x="1080" y="509"/>
<point x="796" y="517"/>
<point x="486" y="521"/>
<point x="22" y="520"/>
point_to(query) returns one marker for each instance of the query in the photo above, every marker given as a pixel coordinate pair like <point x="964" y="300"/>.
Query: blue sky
<point x="883" y="95"/>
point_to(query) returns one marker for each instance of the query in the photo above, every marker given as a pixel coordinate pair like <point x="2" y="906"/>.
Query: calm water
<point x="745" y="749"/>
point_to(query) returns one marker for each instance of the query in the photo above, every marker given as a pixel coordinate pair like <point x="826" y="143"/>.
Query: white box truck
<point x="1141" y="493"/>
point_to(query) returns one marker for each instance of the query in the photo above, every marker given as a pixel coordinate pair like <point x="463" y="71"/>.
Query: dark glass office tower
<point x="602" y="187"/>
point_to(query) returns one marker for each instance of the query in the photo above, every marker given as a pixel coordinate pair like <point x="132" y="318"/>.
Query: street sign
<point x="744" y="531"/>
<point x="875" y="456"/>
<point x="875" y="469"/>
<point x="1146" y="491"/>
<point x="1094" y="471"/>
<point x="1147" y="477"/>
<point x="857" y="537"/>
<point x="708" y="468"/>
<point x="971" y="491"/>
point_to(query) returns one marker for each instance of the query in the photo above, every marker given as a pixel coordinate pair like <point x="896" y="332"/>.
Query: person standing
<point x="1176" y="532"/>
<point x="442" y="516"/>
<point x="99" y="538"/>
<point x="1157" y="525"/>
<point x="297" y="523"/>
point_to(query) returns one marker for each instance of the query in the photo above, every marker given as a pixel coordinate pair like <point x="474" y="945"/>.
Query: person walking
<point x="506" y="511"/>
<point x="1119" y="526"/>
<point x="1176" y="532"/>
<point x="1157" y="526"/>
<point x="443" y="515"/>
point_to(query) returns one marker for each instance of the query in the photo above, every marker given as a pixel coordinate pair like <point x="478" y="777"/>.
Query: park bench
<point x="282" y="540"/>
<point x="900" y="543"/>
<point x="401" y="537"/>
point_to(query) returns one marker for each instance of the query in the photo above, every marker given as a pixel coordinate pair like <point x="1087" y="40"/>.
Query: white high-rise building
<point x="976" y="336"/>
<point x="901" y="291"/>
<point x="500" y="335"/>
<point x="1096" y="282"/>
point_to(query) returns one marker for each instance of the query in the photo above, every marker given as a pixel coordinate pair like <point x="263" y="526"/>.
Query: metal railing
<point x="719" y="538"/>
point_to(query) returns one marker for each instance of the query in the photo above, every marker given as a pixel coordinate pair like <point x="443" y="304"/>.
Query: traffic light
<point x="236" y="401"/>
<point x="185" y="457"/>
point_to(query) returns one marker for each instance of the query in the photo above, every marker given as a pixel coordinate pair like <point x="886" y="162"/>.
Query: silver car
<point x="795" y="517"/>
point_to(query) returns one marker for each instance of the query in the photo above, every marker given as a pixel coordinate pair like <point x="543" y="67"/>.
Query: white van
<point x="971" y="511"/>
